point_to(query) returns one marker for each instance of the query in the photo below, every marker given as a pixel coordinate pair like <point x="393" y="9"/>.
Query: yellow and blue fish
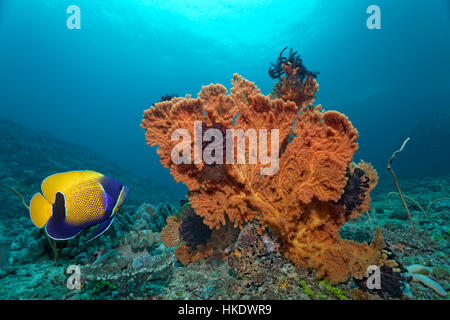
<point x="73" y="201"/>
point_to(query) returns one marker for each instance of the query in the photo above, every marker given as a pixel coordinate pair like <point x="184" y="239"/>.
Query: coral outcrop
<point x="301" y="201"/>
<point x="193" y="240"/>
<point x="153" y="217"/>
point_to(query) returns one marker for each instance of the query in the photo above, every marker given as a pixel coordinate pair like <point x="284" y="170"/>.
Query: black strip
<point x="59" y="207"/>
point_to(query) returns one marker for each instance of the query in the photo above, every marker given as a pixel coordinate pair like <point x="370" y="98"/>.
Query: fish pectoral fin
<point x="102" y="227"/>
<point x="40" y="210"/>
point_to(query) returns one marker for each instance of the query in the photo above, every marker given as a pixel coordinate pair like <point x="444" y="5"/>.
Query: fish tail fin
<point x="40" y="210"/>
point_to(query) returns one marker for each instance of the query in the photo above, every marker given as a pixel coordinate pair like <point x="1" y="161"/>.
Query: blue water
<point x="88" y="88"/>
<point x="91" y="86"/>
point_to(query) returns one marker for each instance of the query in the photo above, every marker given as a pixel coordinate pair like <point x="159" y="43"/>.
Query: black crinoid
<point x="223" y="146"/>
<point x="194" y="232"/>
<point x="276" y="70"/>
<point x="354" y="191"/>
<point x="393" y="280"/>
<point x="168" y="97"/>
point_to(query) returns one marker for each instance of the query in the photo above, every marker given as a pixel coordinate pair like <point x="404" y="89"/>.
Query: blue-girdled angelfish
<point x="73" y="201"/>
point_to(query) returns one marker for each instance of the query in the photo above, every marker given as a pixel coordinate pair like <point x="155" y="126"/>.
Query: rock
<point x="399" y="215"/>
<point x="112" y="261"/>
<point x="441" y="273"/>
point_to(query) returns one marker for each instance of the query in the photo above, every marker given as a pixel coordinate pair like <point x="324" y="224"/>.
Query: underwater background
<point x="74" y="100"/>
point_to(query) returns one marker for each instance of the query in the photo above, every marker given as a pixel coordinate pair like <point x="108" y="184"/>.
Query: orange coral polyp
<point x="299" y="202"/>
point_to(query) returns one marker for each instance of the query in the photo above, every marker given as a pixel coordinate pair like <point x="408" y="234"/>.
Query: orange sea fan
<point x="299" y="201"/>
<point x="170" y="235"/>
<point x="186" y="255"/>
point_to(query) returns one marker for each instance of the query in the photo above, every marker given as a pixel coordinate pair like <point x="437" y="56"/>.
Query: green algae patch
<point x="338" y="293"/>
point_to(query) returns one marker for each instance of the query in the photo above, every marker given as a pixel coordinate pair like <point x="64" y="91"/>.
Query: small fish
<point x="73" y="201"/>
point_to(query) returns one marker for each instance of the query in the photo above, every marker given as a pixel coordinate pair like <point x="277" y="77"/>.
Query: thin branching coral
<point x="389" y="167"/>
<point x="301" y="200"/>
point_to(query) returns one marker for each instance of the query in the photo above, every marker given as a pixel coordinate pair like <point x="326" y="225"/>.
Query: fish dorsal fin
<point x="61" y="182"/>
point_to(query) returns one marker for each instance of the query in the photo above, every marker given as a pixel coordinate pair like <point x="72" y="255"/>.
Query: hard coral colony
<point x="316" y="190"/>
